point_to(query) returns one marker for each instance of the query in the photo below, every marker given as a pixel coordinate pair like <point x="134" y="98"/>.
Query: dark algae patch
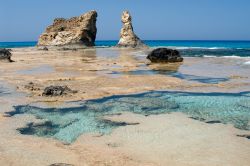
<point x="66" y="124"/>
<point x="43" y="129"/>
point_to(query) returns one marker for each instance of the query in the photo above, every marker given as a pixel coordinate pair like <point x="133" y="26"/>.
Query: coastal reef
<point x="164" y="55"/>
<point x="76" y="31"/>
<point x="127" y="36"/>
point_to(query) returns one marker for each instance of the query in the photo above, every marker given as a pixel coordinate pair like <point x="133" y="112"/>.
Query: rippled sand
<point x="170" y="139"/>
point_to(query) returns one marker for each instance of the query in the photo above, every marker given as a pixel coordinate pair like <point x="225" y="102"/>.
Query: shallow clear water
<point x="37" y="70"/>
<point x="188" y="77"/>
<point x="66" y="124"/>
<point x="201" y="79"/>
<point x="4" y="89"/>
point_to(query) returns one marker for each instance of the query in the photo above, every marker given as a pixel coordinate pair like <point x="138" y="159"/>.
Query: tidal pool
<point x="66" y="124"/>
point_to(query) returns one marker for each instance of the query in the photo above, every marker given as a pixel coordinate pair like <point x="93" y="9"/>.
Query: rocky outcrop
<point x="127" y="36"/>
<point x="76" y="31"/>
<point x="5" y="54"/>
<point x="164" y="55"/>
<point x="57" y="91"/>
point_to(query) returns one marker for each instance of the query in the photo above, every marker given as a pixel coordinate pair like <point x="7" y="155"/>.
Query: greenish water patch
<point x="66" y="124"/>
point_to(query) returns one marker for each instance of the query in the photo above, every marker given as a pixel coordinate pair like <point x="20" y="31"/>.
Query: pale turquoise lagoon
<point x="67" y="124"/>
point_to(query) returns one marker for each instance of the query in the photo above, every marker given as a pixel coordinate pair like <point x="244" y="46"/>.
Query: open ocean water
<point x="187" y="48"/>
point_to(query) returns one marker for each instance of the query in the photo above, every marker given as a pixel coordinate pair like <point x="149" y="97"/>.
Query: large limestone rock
<point x="76" y="31"/>
<point x="127" y="36"/>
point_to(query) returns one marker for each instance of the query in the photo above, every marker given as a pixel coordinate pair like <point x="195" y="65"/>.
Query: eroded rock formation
<point x="127" y="36"/>
<point x="77" y="31"/>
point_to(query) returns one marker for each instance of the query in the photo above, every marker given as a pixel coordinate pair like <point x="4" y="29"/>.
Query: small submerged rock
<point x="245" y="136"/>
<point x="164" y="55"/>
<point x="39" y="129"/>
<point x="57" y="91"/>
<point x="5" y="54"/>
<point x="61" y="164"/>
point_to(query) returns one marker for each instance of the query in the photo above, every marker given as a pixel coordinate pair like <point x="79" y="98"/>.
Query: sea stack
<point x="76" y="31"/>
<point x="127" y="36"/>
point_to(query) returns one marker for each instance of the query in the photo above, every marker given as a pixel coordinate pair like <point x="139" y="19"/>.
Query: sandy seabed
<point x="169" y="139"/>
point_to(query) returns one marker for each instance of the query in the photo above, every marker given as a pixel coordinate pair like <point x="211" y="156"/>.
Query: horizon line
<point x="230" y="40"/>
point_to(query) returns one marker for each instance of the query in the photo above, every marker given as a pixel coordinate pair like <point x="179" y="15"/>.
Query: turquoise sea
<point x="190" y="48"/>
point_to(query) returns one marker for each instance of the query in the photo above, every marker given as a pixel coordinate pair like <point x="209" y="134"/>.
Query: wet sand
<point x="170" y="139"/>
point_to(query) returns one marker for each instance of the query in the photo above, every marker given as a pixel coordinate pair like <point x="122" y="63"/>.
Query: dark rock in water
<point x="164" y="55"/>
<point x="198" y="118"/>
<point x="245" y="136"/>
<point x="5" y="54"/>
<point x="213" y="121"/>
<point x="61" y="164"/>
<point x="113" y="123"/>
<point x="57" y="91"/>
<point x="68" y="49"/>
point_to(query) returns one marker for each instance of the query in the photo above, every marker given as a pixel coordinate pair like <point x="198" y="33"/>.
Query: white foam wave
<point x="247" y="63"/>
<point x="233" y="56"/>
<point x="216" y="48"/>
<point x="102" y="46"/>
<point x="209" y="56"/>
<point x="237" y="57"/>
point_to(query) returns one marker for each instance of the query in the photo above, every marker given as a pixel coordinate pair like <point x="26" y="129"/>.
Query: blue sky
<point x="25" y="20"/>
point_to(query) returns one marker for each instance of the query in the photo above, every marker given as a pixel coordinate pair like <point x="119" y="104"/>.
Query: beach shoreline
<point x="101" y="72"/>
